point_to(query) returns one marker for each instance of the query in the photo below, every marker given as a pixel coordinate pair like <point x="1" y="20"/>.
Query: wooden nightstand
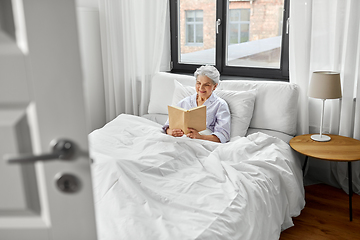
<point x="339" y="149"/>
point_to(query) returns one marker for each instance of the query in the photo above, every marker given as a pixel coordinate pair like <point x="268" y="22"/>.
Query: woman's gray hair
<point x="209" y="71"/>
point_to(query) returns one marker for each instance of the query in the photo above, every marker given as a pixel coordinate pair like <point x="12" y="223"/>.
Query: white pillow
<point x="181" y="92"/>
<point x="275" y="106"/>
<point x="241" y="105"/>
<point x="162" y="90"/>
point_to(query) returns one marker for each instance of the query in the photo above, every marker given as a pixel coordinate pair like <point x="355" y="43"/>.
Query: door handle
<point x="60" y="149"/>
<point x="218" y="23"/>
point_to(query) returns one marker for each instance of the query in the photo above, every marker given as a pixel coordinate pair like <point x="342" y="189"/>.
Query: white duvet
<point x="148" y="185"/>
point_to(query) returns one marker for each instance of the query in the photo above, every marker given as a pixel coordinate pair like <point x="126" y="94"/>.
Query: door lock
<point x="67" y="183"/>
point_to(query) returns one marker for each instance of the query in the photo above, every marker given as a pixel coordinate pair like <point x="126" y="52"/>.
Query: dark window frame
<point x="221" y="13"/>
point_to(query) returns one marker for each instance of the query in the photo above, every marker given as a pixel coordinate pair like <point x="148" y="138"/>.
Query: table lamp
<point x="324" y="85"/>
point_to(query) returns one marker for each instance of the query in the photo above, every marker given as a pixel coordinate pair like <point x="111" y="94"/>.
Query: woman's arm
<point x="195" y="135"/>
<point x="223" y="123"/>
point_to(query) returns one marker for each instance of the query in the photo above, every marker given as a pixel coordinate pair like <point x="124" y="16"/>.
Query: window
<point x="241" y="38"/>
<point x="194" y="27"/>
<point x="239" y="25"/>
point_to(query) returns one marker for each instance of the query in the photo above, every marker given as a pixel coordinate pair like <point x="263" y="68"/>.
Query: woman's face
<point x="204" y="86"/>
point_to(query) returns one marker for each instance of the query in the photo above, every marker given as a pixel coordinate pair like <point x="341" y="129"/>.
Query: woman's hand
<point x="175" y="132"/>
<point x="196" y="135"/>
<point x="193" y="134"/>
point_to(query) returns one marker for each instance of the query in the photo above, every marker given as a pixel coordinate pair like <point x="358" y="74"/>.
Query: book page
<point x="184" y="119"/>
<point x="196" y="118"/>
<point x="176" y="117"/>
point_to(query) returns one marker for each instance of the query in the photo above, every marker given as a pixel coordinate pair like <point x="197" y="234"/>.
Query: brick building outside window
<point x="254" y="30"/>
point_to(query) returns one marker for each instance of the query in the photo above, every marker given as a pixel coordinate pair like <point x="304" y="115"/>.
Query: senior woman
<point x="217" y="110"/>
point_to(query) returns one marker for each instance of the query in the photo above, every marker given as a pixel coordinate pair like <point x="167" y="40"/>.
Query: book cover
<point x="183" y="119"/>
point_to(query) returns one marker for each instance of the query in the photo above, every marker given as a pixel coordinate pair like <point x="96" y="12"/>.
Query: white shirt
<point x="218" y="119"/>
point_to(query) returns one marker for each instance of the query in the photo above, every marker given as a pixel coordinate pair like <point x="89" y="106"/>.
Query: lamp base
<point x="320" y="138"/>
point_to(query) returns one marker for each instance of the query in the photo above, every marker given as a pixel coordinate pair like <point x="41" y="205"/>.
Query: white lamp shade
<point x="325" y="85"/>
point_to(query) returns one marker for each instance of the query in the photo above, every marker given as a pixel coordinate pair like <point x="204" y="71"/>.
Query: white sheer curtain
<point x="325" y="35"/>
<point x="132" y="35"/>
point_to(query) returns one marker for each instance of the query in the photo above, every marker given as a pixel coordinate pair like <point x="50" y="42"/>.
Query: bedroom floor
<point x="325" y="216"/>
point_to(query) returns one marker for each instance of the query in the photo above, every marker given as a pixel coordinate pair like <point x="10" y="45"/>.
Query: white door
<point x="41" y="101"/>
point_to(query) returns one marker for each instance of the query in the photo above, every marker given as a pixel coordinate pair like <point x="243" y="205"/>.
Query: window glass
<point x="196" y="24"/>
<point x="254" y="37"/>
<point x="190" y="34"/>
<point x="199" y="33"/>
<point x="238" y="26"/>
<point x="245" y="15"/>
<point x="194" y="27"/>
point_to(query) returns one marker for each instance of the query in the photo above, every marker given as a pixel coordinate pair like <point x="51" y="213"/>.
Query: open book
<point x="183" y="119"/>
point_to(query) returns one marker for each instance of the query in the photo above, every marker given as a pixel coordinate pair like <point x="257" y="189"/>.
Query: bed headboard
<point x="275" y="104"/>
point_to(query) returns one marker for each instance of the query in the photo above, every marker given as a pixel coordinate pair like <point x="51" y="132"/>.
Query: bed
<point x="148" y="185"/>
